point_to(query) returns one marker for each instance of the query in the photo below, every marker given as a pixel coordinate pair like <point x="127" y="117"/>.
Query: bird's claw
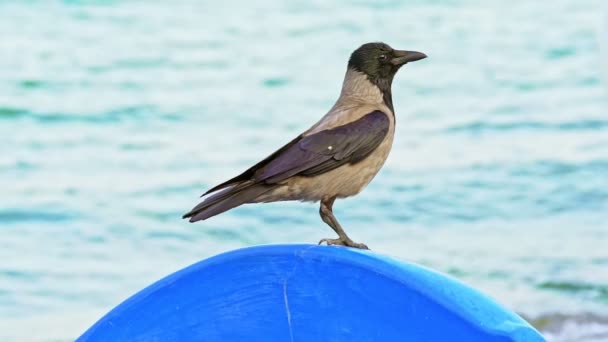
<point x="346" y="243"/>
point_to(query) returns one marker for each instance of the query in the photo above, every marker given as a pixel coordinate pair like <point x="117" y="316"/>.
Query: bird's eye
<point x="383" y="57"/>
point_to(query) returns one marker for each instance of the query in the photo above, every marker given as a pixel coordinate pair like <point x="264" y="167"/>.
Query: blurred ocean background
<point x="116" y="115"/>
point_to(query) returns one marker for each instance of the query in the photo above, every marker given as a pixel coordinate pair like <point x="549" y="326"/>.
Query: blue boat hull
<point x="308" y="293"/>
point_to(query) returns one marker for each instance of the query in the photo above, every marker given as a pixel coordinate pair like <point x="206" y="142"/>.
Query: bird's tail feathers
<point x="227" y="199"/>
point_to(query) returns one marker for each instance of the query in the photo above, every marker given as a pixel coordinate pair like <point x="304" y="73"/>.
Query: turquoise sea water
<point x="115" y="116"/>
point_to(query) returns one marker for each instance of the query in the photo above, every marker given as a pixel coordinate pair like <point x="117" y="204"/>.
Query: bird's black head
<point x="380" y="61"/>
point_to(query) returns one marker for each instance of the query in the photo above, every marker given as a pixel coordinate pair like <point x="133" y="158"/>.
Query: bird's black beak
<point x="403" y="57"/>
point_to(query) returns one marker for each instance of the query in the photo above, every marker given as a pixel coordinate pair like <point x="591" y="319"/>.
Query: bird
<point x="337" y="157"/>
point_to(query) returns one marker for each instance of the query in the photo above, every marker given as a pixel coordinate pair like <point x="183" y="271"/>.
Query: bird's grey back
<point x="358" y="97"/>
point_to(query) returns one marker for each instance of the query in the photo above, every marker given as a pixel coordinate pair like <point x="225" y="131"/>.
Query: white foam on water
<point x="573" y="331"/>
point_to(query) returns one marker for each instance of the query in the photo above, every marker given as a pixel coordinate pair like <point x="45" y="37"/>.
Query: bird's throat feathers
<point x="359" y="86"/>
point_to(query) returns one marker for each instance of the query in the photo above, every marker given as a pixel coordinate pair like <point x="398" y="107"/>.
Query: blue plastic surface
<point x="308" y="293"/>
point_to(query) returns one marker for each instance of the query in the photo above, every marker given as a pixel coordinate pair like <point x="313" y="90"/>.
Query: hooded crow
<point x="335" y="158"/>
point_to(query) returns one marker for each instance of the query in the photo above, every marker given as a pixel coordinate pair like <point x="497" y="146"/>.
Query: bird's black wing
<point x="311" y="155"/>
<point x="305" y="156"/>
<point x="326" y="150"/>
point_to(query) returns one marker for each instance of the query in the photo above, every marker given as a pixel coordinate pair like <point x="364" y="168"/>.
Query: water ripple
<point x="506" y="127"/>
<point x="8" y="216"/>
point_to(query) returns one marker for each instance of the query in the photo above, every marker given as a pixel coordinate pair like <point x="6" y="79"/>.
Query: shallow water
<point x="115" y="116"/>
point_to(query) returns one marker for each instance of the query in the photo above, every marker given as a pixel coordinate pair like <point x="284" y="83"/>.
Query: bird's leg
<point x="328" y="217"/>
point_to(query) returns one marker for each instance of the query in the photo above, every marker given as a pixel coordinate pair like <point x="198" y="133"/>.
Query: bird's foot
<point x="345" y="242"/>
